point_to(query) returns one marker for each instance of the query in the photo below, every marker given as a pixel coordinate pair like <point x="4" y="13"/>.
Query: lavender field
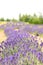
<point x="21" y="44"/>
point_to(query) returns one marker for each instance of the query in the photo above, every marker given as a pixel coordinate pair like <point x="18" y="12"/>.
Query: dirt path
<point x="2" y="36"/>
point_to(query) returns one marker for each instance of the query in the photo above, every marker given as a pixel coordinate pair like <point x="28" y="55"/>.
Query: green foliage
<point x="8" y="19"/>
<point x="24" y="18"/>
<point x="41" y="19"/>
<point x="31" y="19"/>
<point x="1" y="19"/>
<point x="14" y="20"/>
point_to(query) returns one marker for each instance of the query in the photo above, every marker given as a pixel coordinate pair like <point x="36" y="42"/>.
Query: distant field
<point x="3" y="37"/>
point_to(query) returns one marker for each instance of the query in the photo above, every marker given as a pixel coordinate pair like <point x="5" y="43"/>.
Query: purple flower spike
<point x="41" y="44"/>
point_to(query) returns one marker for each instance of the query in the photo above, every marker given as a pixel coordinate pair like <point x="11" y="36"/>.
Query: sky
<point x="12" y="8"/>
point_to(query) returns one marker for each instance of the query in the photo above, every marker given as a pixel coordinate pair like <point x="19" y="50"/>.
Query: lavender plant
<point x="20" y="48"/>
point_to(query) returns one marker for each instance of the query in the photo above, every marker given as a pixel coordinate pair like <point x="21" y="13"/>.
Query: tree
<point x="1" y="19"/>
<point x="14" y="20"/>
<point x="41" y="19"/>
<point x="8" y="19"/>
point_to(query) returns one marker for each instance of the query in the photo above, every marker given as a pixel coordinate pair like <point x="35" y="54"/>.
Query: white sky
<point x="12" y="8"/>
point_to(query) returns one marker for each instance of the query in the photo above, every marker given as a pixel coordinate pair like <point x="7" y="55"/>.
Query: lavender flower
<point x="20" y="47"/>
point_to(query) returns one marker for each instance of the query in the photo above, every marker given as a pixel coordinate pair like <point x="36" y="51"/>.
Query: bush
<point x="31" y="19"/>
<point x="14" y="20"/>
<point x="8" y="19"/>
<point x="2" y="19"/>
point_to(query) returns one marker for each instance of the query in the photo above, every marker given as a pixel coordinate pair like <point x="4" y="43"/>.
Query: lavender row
<point x="20" y="48"/>
<point x="23" y="26"/>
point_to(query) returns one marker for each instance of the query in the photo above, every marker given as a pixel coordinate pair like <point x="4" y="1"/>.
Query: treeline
<point x="27" y="18"/>
<point x="31" y="19"/>
<point x="8" y="20"/>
